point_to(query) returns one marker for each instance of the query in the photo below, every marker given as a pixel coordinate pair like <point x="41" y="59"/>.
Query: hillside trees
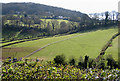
<point x="38" y="9"/>
<point x="104" y="18"/>
<point x="4" y="20"/>
<point x="55" y="25"/>
<point x="63" y="27"/>
<point x="51" y="27"/>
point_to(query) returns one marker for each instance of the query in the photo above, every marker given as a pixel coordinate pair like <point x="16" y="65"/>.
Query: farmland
<point x="48" y="42"/>
<point x="42" y="20"/>
<point x="89" y="43"/>
<point x="113" y="50"/>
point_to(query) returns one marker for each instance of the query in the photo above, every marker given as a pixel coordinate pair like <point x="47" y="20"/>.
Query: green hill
<point x="39" y="9"/>
<point x="79" y="44"/>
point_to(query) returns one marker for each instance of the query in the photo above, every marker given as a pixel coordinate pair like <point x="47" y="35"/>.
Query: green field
<point x="89" y="43"/>
<point x="114" y="49"/>
<point x="43" y="20"/>
<point x="22" y="49"/>
<point x="59" y="20"/>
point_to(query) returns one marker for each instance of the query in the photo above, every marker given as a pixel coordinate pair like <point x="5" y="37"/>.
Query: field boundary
<point x="25" y="40"/>
<point x="108" y="43"/>
<point x="106" y="46"/>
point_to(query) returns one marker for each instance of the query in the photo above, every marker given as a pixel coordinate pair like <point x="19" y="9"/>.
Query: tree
<point x="63" y="27"/>
<point x="96" y="16"/>
<point x="55" y="25"/>
<point x="49" y="28"/>
<point x="113" y="16"/>
<point x="73" y="25"/>
<point x="106" y="17"/>
<point x="4" y="20"/>
<point x="85" y="61"/>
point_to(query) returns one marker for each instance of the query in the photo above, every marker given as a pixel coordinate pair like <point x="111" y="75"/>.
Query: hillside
<point x="39" y="9"/>
<point x="31" y="20"/>
<point x="76" y="45"/>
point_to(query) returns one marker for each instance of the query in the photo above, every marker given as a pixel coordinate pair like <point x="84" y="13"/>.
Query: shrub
<point x="59" y="59"/>
<point x="81" y="63"/>
<point x="101" y="63"/>
<point x="111" y="62"/>
<point x="91" y="63"/>
<point x="72" y="61"/>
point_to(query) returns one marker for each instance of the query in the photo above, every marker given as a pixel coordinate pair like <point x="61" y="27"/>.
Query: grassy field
<point x="22" y="49"/>
<point x="89" y="43"/>
<point x="44" y="20"/>
<point x="59" y="20"/>
<point x="114" y="49"/>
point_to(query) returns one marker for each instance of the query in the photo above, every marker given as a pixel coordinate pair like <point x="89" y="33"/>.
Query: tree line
<point x="24" y="25"/>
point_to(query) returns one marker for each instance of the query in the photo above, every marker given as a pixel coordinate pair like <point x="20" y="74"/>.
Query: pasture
<point x="45" y="21"/>
<point x="113" y="50"/>
<point x="89" y="43"/>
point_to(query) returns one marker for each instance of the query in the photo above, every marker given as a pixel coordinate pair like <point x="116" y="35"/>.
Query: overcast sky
<point x="85" y="6"/>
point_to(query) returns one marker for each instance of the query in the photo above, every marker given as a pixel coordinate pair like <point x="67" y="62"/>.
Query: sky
<point x="84" y="6"/>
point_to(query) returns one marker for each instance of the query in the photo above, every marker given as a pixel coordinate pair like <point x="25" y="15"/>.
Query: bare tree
<point x="106" y="17"/>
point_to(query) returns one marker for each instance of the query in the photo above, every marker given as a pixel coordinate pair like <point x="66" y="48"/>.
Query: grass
<point x="8" y="42"/>
<point x="89" y="43"/>
<point x="59" y="20"/>
<point x="113" y="50"/>
<point x="22" y="49"/>
<point x="47" y="20"/>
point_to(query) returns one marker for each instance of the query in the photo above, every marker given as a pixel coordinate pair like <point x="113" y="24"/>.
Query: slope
<point x="88" y="44"/>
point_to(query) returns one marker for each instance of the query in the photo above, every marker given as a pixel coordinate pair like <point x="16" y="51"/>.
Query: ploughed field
<point x="73" y="45"/>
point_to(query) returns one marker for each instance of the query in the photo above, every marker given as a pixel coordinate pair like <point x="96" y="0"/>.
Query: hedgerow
<point x="29" y="70"/>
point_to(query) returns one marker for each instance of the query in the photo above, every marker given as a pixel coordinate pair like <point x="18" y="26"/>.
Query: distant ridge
<point x="39" y="9"/>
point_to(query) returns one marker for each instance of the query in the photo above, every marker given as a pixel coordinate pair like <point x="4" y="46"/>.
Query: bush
<point x="90" y="62"/>
<point x="101" y="63"/>
<point x="81" y="63"/>
<point x="35" y="71"/>
<point x="111" y="62"/>
<point x="72" y="61"/>
<point x="59" y="59"/>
